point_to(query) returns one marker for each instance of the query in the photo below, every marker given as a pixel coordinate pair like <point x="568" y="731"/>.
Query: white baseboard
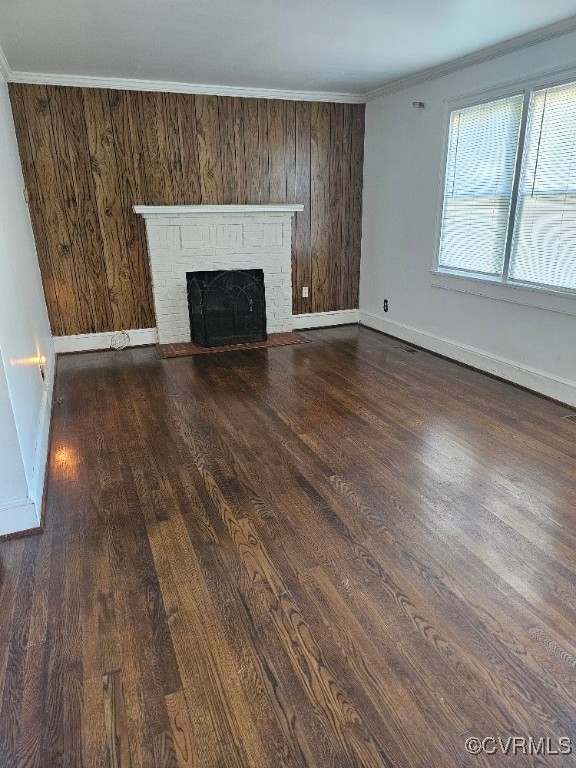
<point x="18" y="516"/>
<point x="324" y="319"/>
<point x="90" y="342"/>
<point x="42" y="440"/>
<point x="545" y="383"/>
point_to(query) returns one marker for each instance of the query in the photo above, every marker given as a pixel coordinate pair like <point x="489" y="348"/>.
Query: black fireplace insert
<point x="226" y="306"/>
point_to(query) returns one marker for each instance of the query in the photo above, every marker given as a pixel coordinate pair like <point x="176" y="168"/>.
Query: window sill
<point x="541" y="298"/>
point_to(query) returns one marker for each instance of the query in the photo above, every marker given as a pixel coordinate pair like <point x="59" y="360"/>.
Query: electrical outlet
<point x="305" y="292"/>
<point x="385" y="305"/>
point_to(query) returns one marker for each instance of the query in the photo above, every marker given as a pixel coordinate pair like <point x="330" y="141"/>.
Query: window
<point x="509" y="212"/>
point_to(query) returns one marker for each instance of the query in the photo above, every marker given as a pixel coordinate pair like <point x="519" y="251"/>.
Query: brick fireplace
<point x="193" y="238"/>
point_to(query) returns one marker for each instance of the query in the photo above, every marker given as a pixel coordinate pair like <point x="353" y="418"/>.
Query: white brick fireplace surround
<point x="192" y="238"/>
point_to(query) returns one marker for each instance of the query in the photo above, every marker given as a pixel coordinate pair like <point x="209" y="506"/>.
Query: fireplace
<point x="210" y="238"/>
<point x="226" y="306"/>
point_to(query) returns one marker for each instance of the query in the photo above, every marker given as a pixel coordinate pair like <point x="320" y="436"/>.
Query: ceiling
<point x="349" y="46"/>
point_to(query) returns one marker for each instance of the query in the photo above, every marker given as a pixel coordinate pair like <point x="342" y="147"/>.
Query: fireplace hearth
<point x="226" y="306"/>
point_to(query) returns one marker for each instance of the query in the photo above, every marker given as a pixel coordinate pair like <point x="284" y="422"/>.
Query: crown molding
<point x="168" y="86"/>
<point x="558" y="29"/>
<point x="564" y="27"/>
<point x="5" y="70"/>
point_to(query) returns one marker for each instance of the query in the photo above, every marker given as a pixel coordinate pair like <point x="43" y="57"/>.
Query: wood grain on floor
<point x="329" y="554"/>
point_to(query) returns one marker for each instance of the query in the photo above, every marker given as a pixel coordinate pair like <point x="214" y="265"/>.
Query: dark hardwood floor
<point x="332" y="554"/>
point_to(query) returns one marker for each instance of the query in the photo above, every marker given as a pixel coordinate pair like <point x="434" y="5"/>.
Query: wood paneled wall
<point x="89" y="155"/>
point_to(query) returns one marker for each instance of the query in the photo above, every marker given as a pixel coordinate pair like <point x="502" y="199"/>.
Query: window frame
<point x="500" y="287"/>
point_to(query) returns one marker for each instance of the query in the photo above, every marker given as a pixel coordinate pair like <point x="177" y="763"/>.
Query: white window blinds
<point x="482" y="148"/>
<point x="544" y="244"/>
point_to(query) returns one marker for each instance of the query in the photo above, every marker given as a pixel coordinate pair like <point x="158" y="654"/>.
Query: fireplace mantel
<point x="197" y="238"/>
<point x="191" y="210"/>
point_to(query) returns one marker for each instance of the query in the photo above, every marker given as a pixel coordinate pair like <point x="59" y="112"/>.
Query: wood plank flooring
<point x="332" y="554"/>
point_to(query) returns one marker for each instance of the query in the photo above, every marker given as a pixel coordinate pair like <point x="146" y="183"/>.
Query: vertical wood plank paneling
<point x="227" y="150"/>
<point x="348" y="220"/>
<point x="132" y="185"/>
<point x="208" y="131"/>
<point x="251" y="150"/>
<point x="356" y="168"/>
<point x="302" y="275"/>
<point x="335" y="247"/>
<point x="320" y="206"/>
<point x="277" y="150"/>
<point x="142" y="290"/>
<point x="290" y="151"/>
<point x="89" y="155"/>
<point x="237" y="125"/>
<point x="290" y="171"/>
<point x="154" y="173"/>
<point x="109" y="206"/>
<point x="63" y="135"/>
<point x="263" y="152"/>
<point x="83" y="216"/>
<point x="65" y="191"/>
<point x="59" y="246"/>
<point x="189" y="149"/>
<point x="169" y="145"/>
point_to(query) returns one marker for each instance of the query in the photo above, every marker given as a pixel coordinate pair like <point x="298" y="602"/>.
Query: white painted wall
<point x="24" y="337"/>
<point x="13" y="484"/>
<point x="402" y="173"/>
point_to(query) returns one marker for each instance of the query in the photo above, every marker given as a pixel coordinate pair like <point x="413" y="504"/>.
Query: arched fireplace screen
<point x="226" y="306"/>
